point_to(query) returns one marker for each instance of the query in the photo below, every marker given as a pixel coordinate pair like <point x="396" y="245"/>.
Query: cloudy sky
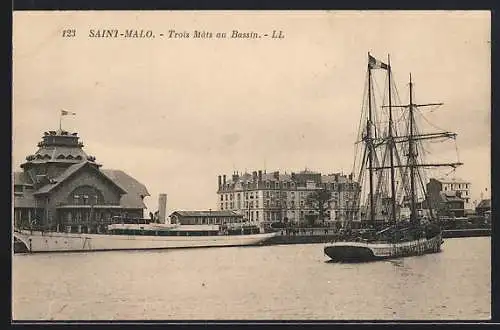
<point x="176" y="113"/>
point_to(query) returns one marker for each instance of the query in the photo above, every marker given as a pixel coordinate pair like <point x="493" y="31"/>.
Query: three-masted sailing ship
<point x="391" y="153"/>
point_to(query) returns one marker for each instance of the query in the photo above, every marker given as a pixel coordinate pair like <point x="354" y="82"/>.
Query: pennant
<point x="373" y="63"/>
<point x="67" y="113"/>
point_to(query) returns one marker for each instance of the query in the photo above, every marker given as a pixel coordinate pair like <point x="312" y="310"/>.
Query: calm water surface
<point x="275" y="282"/>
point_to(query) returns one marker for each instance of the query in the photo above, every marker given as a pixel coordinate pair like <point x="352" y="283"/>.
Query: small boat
<point x="390" y="154"/>
<point x="133" y="236"/>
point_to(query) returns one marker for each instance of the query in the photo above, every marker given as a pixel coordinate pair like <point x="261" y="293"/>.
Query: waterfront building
<point x="61" y="188"/>
<point x="445" y="204"/>
<point x="344" y="204"/>
<point x="265" y="198"/>
<point x="460" y="187"/>
<point x="483" y="207"/>
<point x="205" y="217"/>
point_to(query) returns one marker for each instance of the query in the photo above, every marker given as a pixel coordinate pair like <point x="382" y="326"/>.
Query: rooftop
<point x="206" y="213"/>
<point x="451" y="180"/>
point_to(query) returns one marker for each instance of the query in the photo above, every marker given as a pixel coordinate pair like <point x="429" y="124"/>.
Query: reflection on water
<point x="274" y="282"/>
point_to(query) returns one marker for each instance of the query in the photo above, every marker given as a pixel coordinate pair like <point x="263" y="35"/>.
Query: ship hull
<point x="70" y="242"/>
<point x="362" y="252"/>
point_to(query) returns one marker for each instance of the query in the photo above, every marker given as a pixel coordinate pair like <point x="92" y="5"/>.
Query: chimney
<point x="224" y="179"/>
<point x="235" y="177"/>
<point x="220" y="181"/>
<point x="260" y="176"/>
<point x="254" y="175"/>
<point x="276" y="175"/>
<point x="162" y="207"/>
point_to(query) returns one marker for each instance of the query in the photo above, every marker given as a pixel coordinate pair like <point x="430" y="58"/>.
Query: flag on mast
<point x="67" y="113"/>
<point x="373" y="63"/>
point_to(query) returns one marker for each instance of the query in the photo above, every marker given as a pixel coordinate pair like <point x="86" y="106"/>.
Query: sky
<point x="176" y="113"/>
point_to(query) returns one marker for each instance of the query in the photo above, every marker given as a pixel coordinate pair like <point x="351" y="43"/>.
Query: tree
<point x="319" y="202"/>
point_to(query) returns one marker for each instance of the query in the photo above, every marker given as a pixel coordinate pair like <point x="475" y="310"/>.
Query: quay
<point x="319" y="235"/>
<point x="474" y="232"/>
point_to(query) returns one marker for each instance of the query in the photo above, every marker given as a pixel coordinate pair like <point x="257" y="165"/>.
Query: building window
<point x="221" y="197"/>
<point x="86" y="195"/>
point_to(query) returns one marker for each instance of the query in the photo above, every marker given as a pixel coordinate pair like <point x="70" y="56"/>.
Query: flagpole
<point x="60" y="120"/>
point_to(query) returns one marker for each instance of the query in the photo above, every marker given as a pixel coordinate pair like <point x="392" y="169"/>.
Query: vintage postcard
<point x="251" y="165"/>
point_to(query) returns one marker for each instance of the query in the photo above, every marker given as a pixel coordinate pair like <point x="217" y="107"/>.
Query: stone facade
<point x="266" y="198"/>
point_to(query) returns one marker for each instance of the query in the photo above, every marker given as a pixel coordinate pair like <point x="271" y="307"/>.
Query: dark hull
<point x="363" y="252"/>
<point x="350" y="253"/>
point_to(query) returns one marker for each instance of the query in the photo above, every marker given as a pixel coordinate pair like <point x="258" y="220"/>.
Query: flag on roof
<point x="67" y="113"/>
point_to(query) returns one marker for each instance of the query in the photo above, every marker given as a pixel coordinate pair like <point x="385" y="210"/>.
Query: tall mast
<point x="391" y="147"/>
<point x="369" y="143"/>
<point x="411" y="157"/>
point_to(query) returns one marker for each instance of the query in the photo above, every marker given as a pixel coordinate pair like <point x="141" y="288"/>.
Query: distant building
<point x="483" y="207"/>
<point x="62" y="188"/>
<point x="461" y="187"/>
<point x="345" y="193"/>
<point x="449" y="204"/>
<point x="205" y="217"/>
<point x="265" y="198"/>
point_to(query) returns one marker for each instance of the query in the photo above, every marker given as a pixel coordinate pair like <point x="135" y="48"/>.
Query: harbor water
<point x="283" y="282"/>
